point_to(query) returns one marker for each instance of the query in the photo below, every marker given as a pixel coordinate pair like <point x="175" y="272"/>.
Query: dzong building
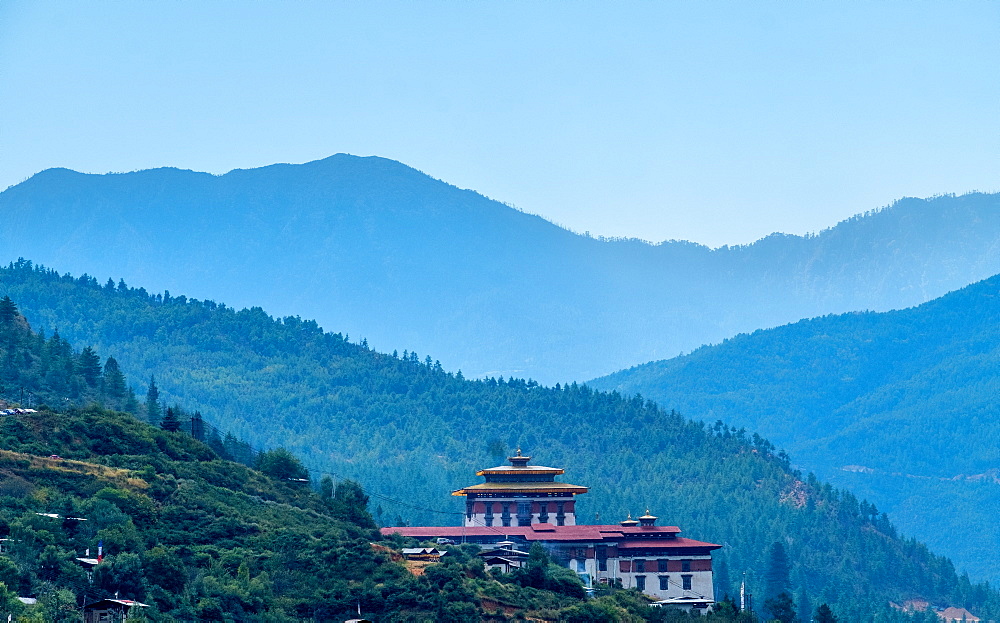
<point x="520" y="504"/>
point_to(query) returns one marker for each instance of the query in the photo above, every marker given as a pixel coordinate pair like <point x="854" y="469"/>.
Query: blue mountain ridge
<point x="381" y="250"/>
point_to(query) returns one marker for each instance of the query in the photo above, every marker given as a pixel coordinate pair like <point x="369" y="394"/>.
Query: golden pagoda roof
<point x="519" y="465"/>
<point x="527" y="469"/>
<point x="648" y="515"/>
<point x="525" y="487"/>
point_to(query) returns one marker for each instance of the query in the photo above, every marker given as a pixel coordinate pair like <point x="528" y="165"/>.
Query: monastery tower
<point x="520" y="495"/>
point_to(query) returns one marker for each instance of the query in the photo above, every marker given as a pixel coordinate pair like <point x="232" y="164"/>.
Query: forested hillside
<point x="898" y="406"/>
<point x="409" y="431"/>
<point x="375" y="249"/>
<point x="96" y="504"/>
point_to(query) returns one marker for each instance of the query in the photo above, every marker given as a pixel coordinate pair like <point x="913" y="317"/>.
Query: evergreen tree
<point x="720" y="578"/>
<point x="114" y="386"/>
<point x="824" y="615"/>
<point x="153" y="403"/>
<point x="326" y="488"/>
<point x="131" y="401"/>
<point x="781" y="609"/>
<point x="198" y="426"/>
<point x="776" y="577"/>
<point x="170" y="421"/>
<point x="8" y="318"/>
<point x="8" y="312"/>
<point x="282" y="465"/>
<point x="535" y="570"/>
<point x="90" y="366"/>
<point x="804" y="606"/>
<point x="351" y="502"/>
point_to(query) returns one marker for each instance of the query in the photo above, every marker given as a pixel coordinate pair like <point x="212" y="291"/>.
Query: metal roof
<point x="526" y="487"/>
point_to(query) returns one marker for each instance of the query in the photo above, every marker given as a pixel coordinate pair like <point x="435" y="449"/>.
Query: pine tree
<point x="824" y="615"/>
<point x="131" y="401"/>
<point x="721" y="578"/>
<point x="113" y="383"/>
<point x="170" y="421"/>
<point x="153" y="403"/>
<point x="8" y="318"/>
<point x="198" y="426"/>
<point x="8" y="311"/>
<point x="90" y="366"/>
<point x="804" y="606"/>
<point x="776" y="577"/>
<point x="781" y="609"/>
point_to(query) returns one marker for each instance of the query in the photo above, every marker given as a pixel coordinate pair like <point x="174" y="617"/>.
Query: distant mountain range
<point x="379" y="250"/>
<point x="900" y="407"/>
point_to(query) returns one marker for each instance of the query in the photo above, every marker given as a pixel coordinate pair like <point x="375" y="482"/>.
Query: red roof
<point x="678" y="542"/>
<point x="632" y="537"/>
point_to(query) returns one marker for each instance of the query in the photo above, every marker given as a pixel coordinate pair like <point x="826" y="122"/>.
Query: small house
<point x="109" y="610"/>
<point x="430" y="554"/>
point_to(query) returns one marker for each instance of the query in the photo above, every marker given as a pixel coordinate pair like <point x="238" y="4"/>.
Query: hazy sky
<point x="709" y="121"/>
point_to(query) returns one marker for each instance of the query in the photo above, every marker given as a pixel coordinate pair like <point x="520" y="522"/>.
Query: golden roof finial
<point x="519" y="460"/>
<point x="628" y="522"/>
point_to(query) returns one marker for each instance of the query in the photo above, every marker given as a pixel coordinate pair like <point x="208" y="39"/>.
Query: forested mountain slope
<point x="409" y="431"/>
<point x="97" y="504"/>
<point x="373" y="248"/>
<point x="900" y="406"/>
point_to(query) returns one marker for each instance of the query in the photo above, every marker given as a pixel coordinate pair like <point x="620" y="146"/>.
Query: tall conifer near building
<point x="776" y="577"/>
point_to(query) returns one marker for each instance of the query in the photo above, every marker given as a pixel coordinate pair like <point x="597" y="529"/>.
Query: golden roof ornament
<point x="519" y="460"/>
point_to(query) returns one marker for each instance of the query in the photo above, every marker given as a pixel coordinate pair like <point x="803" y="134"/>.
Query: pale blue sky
<point x="710" y="121"/>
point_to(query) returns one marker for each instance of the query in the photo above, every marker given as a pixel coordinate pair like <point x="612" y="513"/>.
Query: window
<point x="664" y="582"/>
<point x="640" y="566"/>
<point x="661" y="564"/>
<point x="685" y="565"/>
<point x="602" y="564"/>
<point x="686" y="582"/>
<point x="640" y="582"/>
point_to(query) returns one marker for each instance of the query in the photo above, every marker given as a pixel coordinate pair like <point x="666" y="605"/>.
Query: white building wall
<point x="701" y="581"/>
<point x="479" y="519"/>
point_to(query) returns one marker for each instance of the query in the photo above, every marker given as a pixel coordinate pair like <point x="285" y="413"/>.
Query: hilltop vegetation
<point x="159" y="517"/>
<point x="411" y="432"/>
<point x="373" y="248"/>
<point x="899" y="405"/>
